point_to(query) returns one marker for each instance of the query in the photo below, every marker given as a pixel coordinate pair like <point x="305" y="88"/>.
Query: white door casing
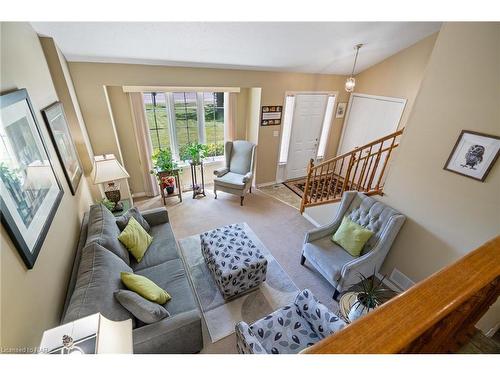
<point x="308" y="116"/>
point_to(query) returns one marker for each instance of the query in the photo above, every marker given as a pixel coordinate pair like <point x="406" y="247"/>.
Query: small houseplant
<point x="370" y="294"/>
<point x="196" y="152"/>
<point x="163" y="161"/>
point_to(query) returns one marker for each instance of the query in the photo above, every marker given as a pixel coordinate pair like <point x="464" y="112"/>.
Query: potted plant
<point x="168" y="183"/>
<point x="163" y="161"/>
<point x="196" y="152"/>
<point x="370" y="294"/>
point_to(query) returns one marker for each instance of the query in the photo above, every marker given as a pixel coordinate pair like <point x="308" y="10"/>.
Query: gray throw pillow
<point x="144" y="310"/>
<point x="122" y="220"/>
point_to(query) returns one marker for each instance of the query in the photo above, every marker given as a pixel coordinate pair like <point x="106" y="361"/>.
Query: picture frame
<point x="58" y="128"/>
<point x="473" y="155"/>
<point x="271" y="115"/>
<point x="341" y="107"/>
<point x="31" y="191"/>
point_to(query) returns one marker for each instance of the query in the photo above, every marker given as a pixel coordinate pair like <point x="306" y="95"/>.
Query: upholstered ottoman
<point x="235" y="262"/>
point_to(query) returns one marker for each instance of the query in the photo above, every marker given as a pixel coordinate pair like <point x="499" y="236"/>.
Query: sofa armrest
<point x="156" y="216"/>
<point x="322" y="320"/>
<point x="248" y="177"/>
<point x="219" y="172"/>
<point x="180" y="333"/>
<point x="246" y="340"/>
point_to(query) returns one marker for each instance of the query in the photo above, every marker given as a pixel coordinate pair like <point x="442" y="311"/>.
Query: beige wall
<point x="398" y="76"/>
<point x="90" y="79"/>
<point x="448" y="214"/>
<point x="32" y="301"/>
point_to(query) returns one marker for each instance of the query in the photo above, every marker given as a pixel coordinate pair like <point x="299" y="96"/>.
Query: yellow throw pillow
<point x="145" y="287"/>
<point x="135" y="239"/>
<point x="351" y="236"/>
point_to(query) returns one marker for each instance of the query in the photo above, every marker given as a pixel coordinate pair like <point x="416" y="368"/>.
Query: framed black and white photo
<point x="30" y="189"/>
<point x="340" y="110"/>
<point x="63" y="143"/>
<point x="474" y="154"/>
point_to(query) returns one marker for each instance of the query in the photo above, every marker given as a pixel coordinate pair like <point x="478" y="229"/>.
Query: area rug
<point x="321" y="187"/>
<point x="221" y="316"/>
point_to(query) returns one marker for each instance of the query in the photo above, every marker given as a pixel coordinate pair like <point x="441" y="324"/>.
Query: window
<point x="179" y="119"/>
<point x="325" y="129"/>
<point x="287" y="128"/>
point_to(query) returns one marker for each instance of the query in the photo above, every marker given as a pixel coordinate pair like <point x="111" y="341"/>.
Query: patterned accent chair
<point x="290" y="329"/>
<point x="237" y="176"/>
<point x="336" y="264"/>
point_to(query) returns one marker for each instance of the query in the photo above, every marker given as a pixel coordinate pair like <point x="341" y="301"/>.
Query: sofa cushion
<point x="135" y="239"/>
<point x="327" y="256"/>
<point x="351" y="236"/>
<point x="162" y="249"/>
<point x="98" y="278"/>
<point x="172" y="276"/>
<point x="145" y="287"/>
<point x="146" y="311"/>
<point x="122" y="220"/>
<point x="102" y="229"/>
<point x="241" y="157"/>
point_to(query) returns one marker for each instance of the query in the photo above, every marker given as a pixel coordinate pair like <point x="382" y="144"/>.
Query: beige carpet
<point x="279" y="226"/>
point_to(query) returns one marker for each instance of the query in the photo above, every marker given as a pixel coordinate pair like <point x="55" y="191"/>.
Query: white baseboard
<point x="311" y="220"/>
<point x="139" y="195"/>
<point x="266" y="184"/>
<point x="389" y="284"/>
<point x="493" y="330"/>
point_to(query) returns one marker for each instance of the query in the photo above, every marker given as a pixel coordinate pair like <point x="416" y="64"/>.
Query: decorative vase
<point x="170" y="189"/>
<point x="357" y="311"/>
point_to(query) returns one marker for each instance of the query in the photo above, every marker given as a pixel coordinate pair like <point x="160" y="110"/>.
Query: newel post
<point x="307" y="187"/>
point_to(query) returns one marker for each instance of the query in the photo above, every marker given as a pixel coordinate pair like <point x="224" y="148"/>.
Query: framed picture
<point x="473" y="155"/>
<point x="30" y="189"/>
<point x="271" y="115"/>
<point x="340" y="110"/>
<point x="63" y="143"/>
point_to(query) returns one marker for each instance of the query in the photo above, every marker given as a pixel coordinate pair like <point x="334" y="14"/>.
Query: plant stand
<point x="175" y="174"/>
<point x="197" y="188"/>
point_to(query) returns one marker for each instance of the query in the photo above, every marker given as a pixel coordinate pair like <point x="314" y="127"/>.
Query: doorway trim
<point x="368" y="96"/>
<point x="281" y="167"/>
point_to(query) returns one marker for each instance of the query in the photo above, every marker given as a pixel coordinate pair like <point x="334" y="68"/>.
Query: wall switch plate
<point x="276" y="133"/>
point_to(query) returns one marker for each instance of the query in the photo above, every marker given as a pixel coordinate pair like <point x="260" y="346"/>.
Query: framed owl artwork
<point x="474" y="155"/>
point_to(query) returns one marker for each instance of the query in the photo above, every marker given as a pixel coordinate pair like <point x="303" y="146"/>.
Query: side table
<point x="175" y="174"/>
<point x="197" y="188"/>
<point x="126" y="204"/>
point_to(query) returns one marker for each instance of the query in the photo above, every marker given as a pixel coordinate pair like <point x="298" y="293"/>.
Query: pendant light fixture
<point x="350" y="83"/>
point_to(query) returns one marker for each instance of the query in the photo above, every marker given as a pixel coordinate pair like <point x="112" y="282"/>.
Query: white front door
<point x="307" y="121"/>
<point x="369" y="118"/>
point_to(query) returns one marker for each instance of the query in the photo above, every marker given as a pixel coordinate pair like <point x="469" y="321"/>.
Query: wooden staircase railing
<point x="435" y="316"/>
<point x="361" y="169"/>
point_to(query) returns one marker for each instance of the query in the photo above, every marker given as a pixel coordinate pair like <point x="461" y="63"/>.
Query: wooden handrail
<point x="436" y="315"/>
<point x="361" y="169"/>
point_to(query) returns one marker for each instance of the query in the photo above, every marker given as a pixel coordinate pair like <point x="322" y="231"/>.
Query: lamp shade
<point x="107" y="168"/>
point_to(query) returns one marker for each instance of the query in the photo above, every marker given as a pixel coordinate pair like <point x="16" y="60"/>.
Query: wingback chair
<point x="337" y="265"/>
<point x="237" y="175"/>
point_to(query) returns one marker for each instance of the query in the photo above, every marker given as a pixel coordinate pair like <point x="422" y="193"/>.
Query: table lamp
<point x="107" y="170"/>
<point x="93" y="334"/>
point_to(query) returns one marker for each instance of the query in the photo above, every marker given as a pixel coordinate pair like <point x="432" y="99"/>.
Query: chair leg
<point x="302" y="260"/>
<point x="250" y="190"/>
<point x="215" y="192"/>
<point x="241" y="200"/>
<point x="335" y="294"/>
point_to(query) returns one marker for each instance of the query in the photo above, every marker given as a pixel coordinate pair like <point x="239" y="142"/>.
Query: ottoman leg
<point x="302" y="260"/>
<point x="241" y="200"/>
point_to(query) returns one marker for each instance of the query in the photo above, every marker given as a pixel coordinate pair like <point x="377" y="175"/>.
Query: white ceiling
<point x="316" y="47"/>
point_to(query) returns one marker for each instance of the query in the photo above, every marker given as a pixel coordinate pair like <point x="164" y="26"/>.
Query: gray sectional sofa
<point x="95" y="277"/>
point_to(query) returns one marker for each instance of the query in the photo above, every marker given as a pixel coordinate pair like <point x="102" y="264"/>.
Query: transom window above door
<point x="178" y="119"/>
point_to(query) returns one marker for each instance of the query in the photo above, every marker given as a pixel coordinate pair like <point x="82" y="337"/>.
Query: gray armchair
<point x="237" y="175"/>
<point x="336" y="264"/>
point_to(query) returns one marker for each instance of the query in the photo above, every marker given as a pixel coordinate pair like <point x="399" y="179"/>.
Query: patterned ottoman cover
<point x="236" y="263"/>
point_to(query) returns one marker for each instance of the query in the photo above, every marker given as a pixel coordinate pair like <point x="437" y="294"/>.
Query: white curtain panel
<point x="230" y="116"/>
<point x="144" y="145"/>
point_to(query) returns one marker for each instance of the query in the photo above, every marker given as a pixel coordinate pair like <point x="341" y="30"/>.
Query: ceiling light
<point x="350" y="83"/>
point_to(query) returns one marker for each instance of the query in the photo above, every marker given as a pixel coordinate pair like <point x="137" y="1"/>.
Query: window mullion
<point x="200" y="113"/>
<point x="170" y="108"/>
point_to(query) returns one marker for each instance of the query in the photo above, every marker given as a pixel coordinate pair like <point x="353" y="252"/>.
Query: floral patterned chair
<point x="289" y="329"/>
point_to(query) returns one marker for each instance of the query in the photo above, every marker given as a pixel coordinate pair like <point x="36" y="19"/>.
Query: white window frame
<point x="200" y="114"/>
<point x="325" y="128"/>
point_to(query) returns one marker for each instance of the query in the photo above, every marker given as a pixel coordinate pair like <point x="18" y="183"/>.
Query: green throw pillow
<point x="135" y="239"/>
<point x="351" y="236"/>
<point x="144" y="287"/>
